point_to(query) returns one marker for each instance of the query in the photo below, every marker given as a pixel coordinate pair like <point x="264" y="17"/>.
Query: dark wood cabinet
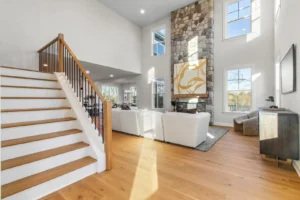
<point x="279" y="134"/>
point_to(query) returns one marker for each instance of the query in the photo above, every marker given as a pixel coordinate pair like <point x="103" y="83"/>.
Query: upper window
<point x="237" y="18"/>
<point x="158" y="93"/>
<point x="110" y="93"/>
<point x="159" y="42"/>
<point x="239" y="90"/>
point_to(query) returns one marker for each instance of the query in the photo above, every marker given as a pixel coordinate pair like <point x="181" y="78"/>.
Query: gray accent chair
<point x="249" y="124"/>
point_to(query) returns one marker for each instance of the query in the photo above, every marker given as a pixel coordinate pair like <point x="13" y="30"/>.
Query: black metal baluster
<point x="77" y="81"/>
<point x="52" y="57"/>
<point x="99" y="115"/>
<point x="74" y="74"/>
<point x="48" y="66"/>
<point x="85" y="91"/>
<point x="102" y="118"/>
<point x="95" y="109"/>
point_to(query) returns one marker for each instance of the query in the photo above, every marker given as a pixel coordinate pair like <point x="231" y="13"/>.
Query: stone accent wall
<point x="192" y="37"/>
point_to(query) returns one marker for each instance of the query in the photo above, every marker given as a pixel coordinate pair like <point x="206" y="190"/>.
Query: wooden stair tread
<point x="35" y="138"/>
<point x="30" y="78"/>
<point x="31" y="87"/>
<point x="33" y="97"/>
<point x="30" y="70"/>
<point x="29" y="123"/>
<point x="7" y="164"/>
<point x="35" y="109"/>
<point x="37" y="179"/>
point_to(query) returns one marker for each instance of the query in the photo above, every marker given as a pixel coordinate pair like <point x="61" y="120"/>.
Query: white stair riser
<point x="29" y="169"/>
<point x="32" y="103"/>
<point x="15" y="72"/>
<point x="24" y="92"/>
<point x="28" y="82"/>
<point x="38" y="146"/>
<point x="26" y="131"/>
<point x="55" y="184"/>
<point x="13" y="117"/>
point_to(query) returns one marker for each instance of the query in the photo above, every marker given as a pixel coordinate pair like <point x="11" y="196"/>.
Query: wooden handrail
<point x="54" y="57"/>
<point x="49" y="44"/>
<point x="83" y="71"/>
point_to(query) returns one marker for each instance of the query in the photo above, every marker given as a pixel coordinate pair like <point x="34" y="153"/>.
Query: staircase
<point x="43" y="146"/>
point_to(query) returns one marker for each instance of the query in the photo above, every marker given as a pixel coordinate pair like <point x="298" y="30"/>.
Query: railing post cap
<point x="60" y="35"/>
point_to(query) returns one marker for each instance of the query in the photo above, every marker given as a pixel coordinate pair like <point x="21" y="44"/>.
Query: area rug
<point x="213" y="135"/>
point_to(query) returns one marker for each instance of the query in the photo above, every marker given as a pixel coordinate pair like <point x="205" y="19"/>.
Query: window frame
<point x="225" y="90"/>
<point x="110" y="91"/>
<point x="226" y="3"/>
<point x="134" y="94"/>
<point x="158" y="28"/>
<point x="153" y="93"/>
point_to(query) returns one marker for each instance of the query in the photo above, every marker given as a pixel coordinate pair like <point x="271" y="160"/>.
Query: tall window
<point x="133" y="95"/>
<point x="239" y="90"/>
<point x="159" y="42"/>
<point x="237" y="15"/>
<point x="110" y="93"/>
<point x="158" y="93"/>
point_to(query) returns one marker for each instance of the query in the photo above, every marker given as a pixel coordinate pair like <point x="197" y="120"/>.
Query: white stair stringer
<point x="91" y="135"/>
<point x="53" y="185"/>
<point x="12" y="174"/>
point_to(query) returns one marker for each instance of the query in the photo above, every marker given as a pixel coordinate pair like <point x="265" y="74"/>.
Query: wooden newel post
<point x="60" y="52"/>
<point x="108" y="133"/>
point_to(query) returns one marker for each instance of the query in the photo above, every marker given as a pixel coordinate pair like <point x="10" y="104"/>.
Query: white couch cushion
<point x="186" y="129"/>
<point x="129" y="121"/>
<point x="116" y="124"/>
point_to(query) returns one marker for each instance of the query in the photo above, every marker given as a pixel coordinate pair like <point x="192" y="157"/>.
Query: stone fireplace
<point x="192" y="38"/>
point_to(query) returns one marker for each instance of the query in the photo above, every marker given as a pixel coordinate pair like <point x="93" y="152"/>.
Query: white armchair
<point x="186" y="129"/>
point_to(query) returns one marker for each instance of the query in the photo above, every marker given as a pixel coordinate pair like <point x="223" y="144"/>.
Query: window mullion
<point x="238" y="9"/>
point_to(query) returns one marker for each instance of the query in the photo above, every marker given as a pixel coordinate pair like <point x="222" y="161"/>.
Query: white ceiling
<point x="99" y="72"/>
<point x="155" y="9"/>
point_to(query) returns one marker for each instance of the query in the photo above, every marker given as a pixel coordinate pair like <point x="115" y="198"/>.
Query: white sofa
<point x="134" y="122"/>
<point x="185" y="129"/>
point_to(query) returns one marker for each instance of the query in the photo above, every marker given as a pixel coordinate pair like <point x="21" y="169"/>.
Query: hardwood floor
<point x="147" y="169"/>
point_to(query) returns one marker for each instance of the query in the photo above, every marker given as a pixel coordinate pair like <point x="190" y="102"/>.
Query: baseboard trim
<point x="223" y="124"/>
<point x="296" y="165"/>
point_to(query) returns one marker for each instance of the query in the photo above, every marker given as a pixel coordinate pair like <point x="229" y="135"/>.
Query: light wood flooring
<point x="147" y="169"/>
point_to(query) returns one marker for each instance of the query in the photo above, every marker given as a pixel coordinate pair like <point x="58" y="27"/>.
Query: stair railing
<point x="56" y="56"/>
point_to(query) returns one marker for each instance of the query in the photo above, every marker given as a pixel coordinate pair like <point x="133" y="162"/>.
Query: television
<point x="288" y="71"/>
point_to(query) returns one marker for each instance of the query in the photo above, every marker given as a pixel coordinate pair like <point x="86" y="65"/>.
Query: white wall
<point x="94" y="32"/>
<point x="161" y="66"/>
<point x="254" y="50"/>
<point x="287" y="32"/>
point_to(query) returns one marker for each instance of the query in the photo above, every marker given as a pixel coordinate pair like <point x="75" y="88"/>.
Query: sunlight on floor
<point x="145" y="182"/>
<point x="210" y="136"/>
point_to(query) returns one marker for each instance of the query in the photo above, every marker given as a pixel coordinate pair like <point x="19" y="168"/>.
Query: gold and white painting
<point x="190" y="78"/>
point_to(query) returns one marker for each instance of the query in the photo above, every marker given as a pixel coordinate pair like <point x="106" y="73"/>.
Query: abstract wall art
<point x="190" y="79"/>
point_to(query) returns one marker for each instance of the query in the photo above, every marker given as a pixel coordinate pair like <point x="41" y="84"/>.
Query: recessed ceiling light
<point x="45" y="65"/>
<point x="111" y="75"/>
<point x="244" y="29"/>
<point x="142" y="11"/>
<point x="87" y="72"/>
